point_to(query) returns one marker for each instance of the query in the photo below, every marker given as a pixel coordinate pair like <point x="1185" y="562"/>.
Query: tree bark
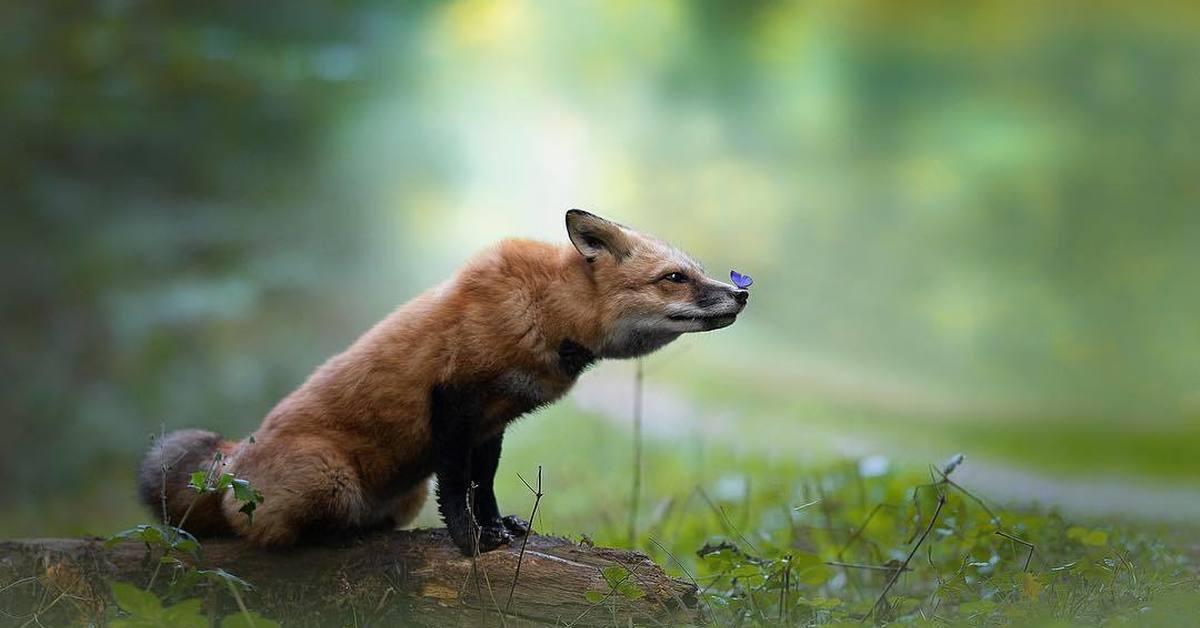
<point x="412" y="577"/>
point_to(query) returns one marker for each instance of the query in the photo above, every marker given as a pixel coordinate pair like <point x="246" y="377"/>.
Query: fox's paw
<point x="516" y="525"/>
<point x="491" y="537"/>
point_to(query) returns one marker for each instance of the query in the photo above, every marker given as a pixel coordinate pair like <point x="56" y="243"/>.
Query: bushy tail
<point x="164" y="477"/>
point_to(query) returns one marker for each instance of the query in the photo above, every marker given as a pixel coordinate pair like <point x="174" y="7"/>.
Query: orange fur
<point x="351" y="448"/>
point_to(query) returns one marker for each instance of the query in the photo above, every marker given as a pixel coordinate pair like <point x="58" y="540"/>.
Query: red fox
<point x="430" y="389"/>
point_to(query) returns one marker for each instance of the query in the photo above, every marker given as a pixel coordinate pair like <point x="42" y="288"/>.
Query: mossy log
<point x="413" y="577"/>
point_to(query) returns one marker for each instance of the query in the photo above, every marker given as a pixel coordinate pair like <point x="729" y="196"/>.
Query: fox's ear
<point x="593" y="235"/>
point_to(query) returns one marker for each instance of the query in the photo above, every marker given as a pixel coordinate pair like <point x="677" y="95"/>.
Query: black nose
<point x="740" y="296"/>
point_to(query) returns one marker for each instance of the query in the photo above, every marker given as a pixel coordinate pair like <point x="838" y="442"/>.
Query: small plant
<point x="620" y="585"/>
<point x="180" y="551"/>
<point x="890" y="547"/>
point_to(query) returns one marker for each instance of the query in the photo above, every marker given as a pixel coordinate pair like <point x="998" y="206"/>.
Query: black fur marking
<point x="574" y="358"/>
<point x="484" y="460"/>
<point x="456" y="418"/>
<point x="456" y="413"/>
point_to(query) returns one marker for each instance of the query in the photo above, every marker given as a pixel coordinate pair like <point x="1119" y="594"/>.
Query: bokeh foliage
<point x="988" y="203"/>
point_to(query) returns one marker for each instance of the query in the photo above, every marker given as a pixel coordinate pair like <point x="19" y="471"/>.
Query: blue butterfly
<point x="740" y="280"/>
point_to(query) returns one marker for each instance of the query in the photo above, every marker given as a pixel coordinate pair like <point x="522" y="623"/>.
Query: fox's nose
<point x="740" y="296"/>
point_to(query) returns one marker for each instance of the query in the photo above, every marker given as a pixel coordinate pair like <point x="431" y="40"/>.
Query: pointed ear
<point x="593" y="235"/>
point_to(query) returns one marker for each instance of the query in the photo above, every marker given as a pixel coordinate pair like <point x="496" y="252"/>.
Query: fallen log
<point x="411" y="577"/>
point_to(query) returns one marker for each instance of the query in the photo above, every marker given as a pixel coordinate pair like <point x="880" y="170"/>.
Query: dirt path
<point x="668" y="414"/>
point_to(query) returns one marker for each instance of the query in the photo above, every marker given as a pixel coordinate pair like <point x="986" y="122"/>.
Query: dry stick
<point x="241" y="604"/>
<point x="1010" y="537"/>
<point x="904" y="566"/>
<point x="45" y="609"/>
<point x="537" y="499"/>
<point x="612" y="590"/>
<point x="173" y="529"/>
<point x="488" y="581"/>
<point x="729" y="527"/>
<point x="685" y="572"/>
<point x="475" y="532"/>
<point x="787" y="577"/>
<point x="857" y="533"/>
<point x="649" y="586"/>
<point x="973" y="496"/>
<point x="639" y="376"/>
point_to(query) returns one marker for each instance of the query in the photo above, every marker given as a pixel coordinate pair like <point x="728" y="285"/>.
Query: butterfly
<point x="740" y="280"/>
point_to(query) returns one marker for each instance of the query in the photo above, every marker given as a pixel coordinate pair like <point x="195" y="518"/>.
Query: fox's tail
<point x="166" y="471"/>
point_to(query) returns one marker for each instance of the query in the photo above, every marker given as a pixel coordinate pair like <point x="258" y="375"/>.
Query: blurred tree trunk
<point x="406" y="577"/>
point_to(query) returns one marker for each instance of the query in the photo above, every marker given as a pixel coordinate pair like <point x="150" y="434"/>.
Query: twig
<point x="725" y="519"/>
<point x="475" y="531"/>
<point x="979" y="500"/>
<point x="858" y="532"/>
<point x="241" y="603"/>
<point x="537" y="499"/>
<point x="36" y="618"/>
<point x="904" y="566"/>
<point x="685" y="571"/>
<point x="1010" y="537"/>
<point x="612" y="590"/>
<point x="18" y="582"/>
<point x="635" y="497"/>
<point x="173" y="530"/>
<point x="787" y="580"/>
<point x="676" y="561"/>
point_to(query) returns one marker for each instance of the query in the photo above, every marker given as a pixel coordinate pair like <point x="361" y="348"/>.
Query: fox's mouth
<point x="708" y="321"/>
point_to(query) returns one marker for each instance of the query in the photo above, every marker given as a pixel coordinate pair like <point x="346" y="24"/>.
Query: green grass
<point x="764" y="515"/>
<point x="773" y="515"/>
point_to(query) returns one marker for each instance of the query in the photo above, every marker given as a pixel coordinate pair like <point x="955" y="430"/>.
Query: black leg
<point x="484" y="460"/>
<point x="454" y="415"/>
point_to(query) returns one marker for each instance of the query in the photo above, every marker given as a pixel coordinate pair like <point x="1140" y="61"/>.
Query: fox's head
<point x="649" y="292"/>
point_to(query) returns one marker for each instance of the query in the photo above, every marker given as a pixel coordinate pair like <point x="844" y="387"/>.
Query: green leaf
<point x="152" y="535"/>
<point x="248" y="509"/>
<point x="185" y="614"/>
<point x="243" y="492"/>
<point x="224" y="577"/>
<point x="630" y="591"/>
<point x="1095" y="538"/>
<point x="595" y="597"/>
<point x="614" y="575"/>
<point x="135" y="601"/>
<point x="248" y="620"/>
<point x="224" y="481"/>
<point x="189" y="546"/>
<point x="198" y="482"/>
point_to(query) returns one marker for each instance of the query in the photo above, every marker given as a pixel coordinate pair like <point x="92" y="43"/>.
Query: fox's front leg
<point x="484" y="460"/>
<point x="454" y="481"/>
<point x="456" y="414"/>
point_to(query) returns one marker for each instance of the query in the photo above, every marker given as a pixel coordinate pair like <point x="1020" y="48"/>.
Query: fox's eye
<point x="675" y="277"/>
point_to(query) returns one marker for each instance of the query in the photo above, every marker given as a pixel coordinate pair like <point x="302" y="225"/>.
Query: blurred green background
<point x="974" y="227"/>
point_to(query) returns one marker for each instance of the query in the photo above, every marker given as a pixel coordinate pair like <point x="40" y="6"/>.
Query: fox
<point x="428" y="391"/>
